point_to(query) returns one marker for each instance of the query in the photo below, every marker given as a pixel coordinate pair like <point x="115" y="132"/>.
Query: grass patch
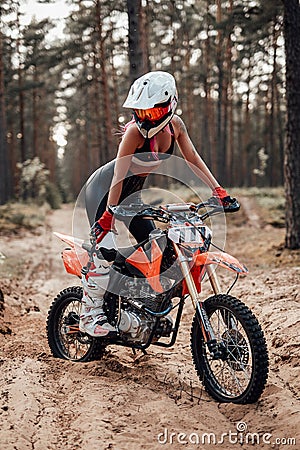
<point x="270" y="204"/>
<point x="16" y="216"/>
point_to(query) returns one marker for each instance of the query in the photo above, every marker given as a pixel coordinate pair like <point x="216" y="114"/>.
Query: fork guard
<point x="221" y="259"/>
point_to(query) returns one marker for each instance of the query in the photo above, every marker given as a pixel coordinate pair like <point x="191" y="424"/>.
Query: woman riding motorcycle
<point x="148" y="140"/>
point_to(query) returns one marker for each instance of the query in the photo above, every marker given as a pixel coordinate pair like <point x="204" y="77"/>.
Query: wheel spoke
<point x="234" y="373"/>
<point x="64" y="337"/>
<point x="73" y="347"/>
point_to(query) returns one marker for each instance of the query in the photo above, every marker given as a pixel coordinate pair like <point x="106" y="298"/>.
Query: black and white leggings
<point x="96" y="195"/>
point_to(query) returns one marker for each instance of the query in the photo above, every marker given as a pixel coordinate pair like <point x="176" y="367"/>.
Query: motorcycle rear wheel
<point x="241" y="374"/>
<point x="64" y="338"/>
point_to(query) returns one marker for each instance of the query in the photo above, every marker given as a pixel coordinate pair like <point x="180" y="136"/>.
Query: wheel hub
<point x="237" y="353"/>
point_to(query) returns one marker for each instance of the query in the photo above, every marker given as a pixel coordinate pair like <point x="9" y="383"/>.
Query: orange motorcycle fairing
<point x="71" y="261"/>
<point x="75" y="257"/>
<point x="221" y="259"/>
<point x="197" y="272"/>
<point x="150" y="268"/>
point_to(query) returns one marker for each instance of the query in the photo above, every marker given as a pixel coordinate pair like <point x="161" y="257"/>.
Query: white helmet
<point x="153" y="97"/>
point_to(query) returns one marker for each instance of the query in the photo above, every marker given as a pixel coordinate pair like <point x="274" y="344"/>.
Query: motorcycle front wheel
<point x="64" y="338"/>
<point x="240" y="374"/>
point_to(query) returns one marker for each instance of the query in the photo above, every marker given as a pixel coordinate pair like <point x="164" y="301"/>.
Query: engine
<point x="135" y="324"/>
<point x="137" y="327"/>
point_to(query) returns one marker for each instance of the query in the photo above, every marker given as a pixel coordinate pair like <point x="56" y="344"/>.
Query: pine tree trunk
<point x="100" y="156"/>
<point x="21" y="99"/>
<point x="107" y="119"/>
<point x="188" y="88"/>
<point x="136" y="43"/>
<point x="246" y="138"/>
<point x="273" y="150"/>
<point x="292" y="147"/>
<point x="239" y="150"/>
<point x="209" y="103"/>
<point x="230" y="138"/>
<point x="35" y="117"/>
<point x="281" y="132"/>
<point x="144" y="33"/>
<point x="5" y="173"/>
<point x="219" y="62"/>
<point x="229" y="107"/>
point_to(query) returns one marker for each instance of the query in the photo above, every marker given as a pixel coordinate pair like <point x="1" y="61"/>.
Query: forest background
<point x="61" y="99"/>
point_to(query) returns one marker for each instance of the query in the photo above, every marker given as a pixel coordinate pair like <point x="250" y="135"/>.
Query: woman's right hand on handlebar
<point x="102" y="226"/>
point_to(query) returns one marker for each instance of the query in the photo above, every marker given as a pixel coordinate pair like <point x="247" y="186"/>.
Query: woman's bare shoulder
<point x="132" y="132"/>
<point x="131" y="140"/>
<point x="178" y="125"/>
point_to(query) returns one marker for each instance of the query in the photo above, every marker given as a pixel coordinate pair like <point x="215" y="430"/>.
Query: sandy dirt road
<point x="122" y="403"/>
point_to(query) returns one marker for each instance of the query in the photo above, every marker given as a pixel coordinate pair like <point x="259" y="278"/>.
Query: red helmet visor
<point x="152" y="114"/>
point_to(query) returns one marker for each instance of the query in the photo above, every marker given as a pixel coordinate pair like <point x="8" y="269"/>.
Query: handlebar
<point x="229" y="207"/>
<point x="166" y="212"/>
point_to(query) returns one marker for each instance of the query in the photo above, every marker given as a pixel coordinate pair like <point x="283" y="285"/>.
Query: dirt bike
<point x="148" y="281"/>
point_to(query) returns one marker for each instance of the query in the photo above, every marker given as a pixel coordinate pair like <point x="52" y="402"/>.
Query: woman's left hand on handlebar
<point x="222" y="196"/>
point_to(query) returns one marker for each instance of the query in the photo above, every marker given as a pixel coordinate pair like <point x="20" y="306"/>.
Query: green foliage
<point x="33" y="181"/>
<point x="53" y="195"/>
<point x="34" y="186"/>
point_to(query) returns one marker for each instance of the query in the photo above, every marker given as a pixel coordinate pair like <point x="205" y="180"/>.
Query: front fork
<point x="213" y="280"/>
<point x="207" y="330"/>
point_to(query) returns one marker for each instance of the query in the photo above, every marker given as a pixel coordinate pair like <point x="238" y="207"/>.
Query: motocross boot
<point x="93" y="320"/>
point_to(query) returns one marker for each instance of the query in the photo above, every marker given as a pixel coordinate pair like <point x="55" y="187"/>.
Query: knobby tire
<point x="247" y="356"/>
<point x="79" y="346"/>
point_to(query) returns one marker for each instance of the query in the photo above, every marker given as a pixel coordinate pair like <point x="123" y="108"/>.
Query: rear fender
<point x="75" y="257"/>
<point x="221" y="259"/>
<point x="70" y="240"/>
